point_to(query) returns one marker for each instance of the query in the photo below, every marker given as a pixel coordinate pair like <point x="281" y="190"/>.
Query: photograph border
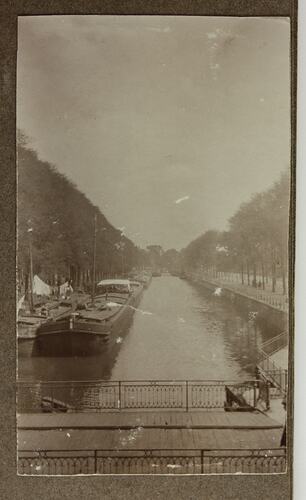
<point x="138" y="487"/>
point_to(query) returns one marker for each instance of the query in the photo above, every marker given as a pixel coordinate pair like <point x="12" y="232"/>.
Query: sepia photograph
<point x="153" y="244"/>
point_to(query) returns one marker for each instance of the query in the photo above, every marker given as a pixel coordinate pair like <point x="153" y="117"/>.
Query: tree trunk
<point x="254" y="276"/>
<point x="273" y="277"/>
<point x="263" y="274"/>
<point x="248" y="272"/>
<point x="242" y="274"/>
<point x="267" y="278"/>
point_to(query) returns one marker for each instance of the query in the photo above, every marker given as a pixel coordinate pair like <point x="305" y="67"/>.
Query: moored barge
<point x="94" y="327"/>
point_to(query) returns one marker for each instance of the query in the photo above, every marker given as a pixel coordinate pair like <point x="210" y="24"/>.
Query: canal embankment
<point x="267" y="307"/>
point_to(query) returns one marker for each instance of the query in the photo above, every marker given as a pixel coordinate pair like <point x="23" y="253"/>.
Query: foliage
<point x="257" y="238"/>
<point x="62" y="223"/>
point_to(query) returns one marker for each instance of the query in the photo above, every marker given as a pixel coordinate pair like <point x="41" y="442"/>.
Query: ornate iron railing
<point x="232" y="282"/>
<point x="185" y="461"/>
<point x="278" y="377"/>
<point x="132" y="395"/>
<point x="266" y="367"/>
<point x="275" y="344"/>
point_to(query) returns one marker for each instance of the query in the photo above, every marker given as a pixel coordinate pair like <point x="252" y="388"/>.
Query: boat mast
<point x="30" y="230"/>
<point x="94" y="261"/>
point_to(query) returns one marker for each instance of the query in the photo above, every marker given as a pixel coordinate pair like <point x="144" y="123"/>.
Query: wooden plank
<point x="145" y="419"/>
<point x="148" y="439"/>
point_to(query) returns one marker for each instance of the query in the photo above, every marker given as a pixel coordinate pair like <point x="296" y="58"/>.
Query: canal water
<point x="180" y="331"/>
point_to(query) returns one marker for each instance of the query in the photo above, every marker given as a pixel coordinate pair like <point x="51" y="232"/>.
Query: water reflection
<point x="190" y="334"/>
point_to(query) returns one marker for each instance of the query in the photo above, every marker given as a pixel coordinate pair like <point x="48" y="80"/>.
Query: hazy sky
<point x="166" y="123"/>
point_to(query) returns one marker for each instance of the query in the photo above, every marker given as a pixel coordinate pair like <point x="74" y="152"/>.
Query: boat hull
<point x="76" y="337"/>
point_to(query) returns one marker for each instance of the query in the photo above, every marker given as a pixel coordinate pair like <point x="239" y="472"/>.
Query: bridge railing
<point x="266" y="367"/>
<point x="148" y="461"/>
<point x="278" y="377"/>
<point x="134" y="395"/>
<point x="275" y="344"/>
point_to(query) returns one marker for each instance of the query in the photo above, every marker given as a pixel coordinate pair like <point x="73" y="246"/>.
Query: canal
<point x="180" y="331"/>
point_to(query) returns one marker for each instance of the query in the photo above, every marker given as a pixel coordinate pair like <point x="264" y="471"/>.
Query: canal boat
<point x="28" y="322"/>
<point x="144" y="278"/>
<point x="96" y="326"/>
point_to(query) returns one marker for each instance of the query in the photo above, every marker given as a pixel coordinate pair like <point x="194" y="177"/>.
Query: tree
<point x="61" y="219"/>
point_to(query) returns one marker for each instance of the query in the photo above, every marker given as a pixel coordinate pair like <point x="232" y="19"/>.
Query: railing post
<point x="119" y="396"/>
<point x="202" y="461"/>
<point x="268" y="396"/>
<point x="187" y="395"/>
<point x="96" y="462"/>
<point x="254" y="394"/>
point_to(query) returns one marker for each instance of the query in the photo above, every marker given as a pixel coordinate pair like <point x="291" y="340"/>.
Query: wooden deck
<point x="109" y="431"/>
<point x="130" y="420"/>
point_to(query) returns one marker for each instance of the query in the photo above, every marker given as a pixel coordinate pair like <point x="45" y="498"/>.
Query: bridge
<point x="140" y="427"/>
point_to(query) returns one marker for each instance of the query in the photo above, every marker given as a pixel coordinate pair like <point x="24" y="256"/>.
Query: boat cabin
<point x="114" y="286"/>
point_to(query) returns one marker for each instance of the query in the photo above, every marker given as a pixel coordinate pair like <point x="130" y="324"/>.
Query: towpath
<point x="232" y="281"/>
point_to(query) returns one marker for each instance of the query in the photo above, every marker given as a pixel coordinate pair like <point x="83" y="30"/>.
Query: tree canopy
<point x="59" y="219"/>
<point x="257" y="239"/>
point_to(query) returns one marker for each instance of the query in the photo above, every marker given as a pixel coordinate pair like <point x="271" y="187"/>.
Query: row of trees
<point x="57" y="221"/>
<point x="256" y="244"/>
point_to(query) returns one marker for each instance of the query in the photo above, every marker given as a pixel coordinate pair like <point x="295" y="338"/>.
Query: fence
<point x="275" y="344"/>
<point x="132" y="395"/>
<point x="268" y="369"/>
<point x="232" y="282"/>
<point x="185" y="461"/>
<point x="277" y="376"/>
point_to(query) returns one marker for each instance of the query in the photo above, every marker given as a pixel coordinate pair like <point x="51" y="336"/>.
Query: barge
<point x="95" y="327"/>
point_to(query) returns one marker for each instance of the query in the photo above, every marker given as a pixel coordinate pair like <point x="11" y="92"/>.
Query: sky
<point x="167" y="124"/>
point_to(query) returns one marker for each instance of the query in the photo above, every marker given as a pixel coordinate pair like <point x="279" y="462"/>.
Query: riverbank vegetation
<point x="255" y="244"/>
<point x="56" y="220"/>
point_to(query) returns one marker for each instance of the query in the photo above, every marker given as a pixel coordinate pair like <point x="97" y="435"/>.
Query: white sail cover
<point x="40" y="287"/>
<point x="20" y="303"/>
